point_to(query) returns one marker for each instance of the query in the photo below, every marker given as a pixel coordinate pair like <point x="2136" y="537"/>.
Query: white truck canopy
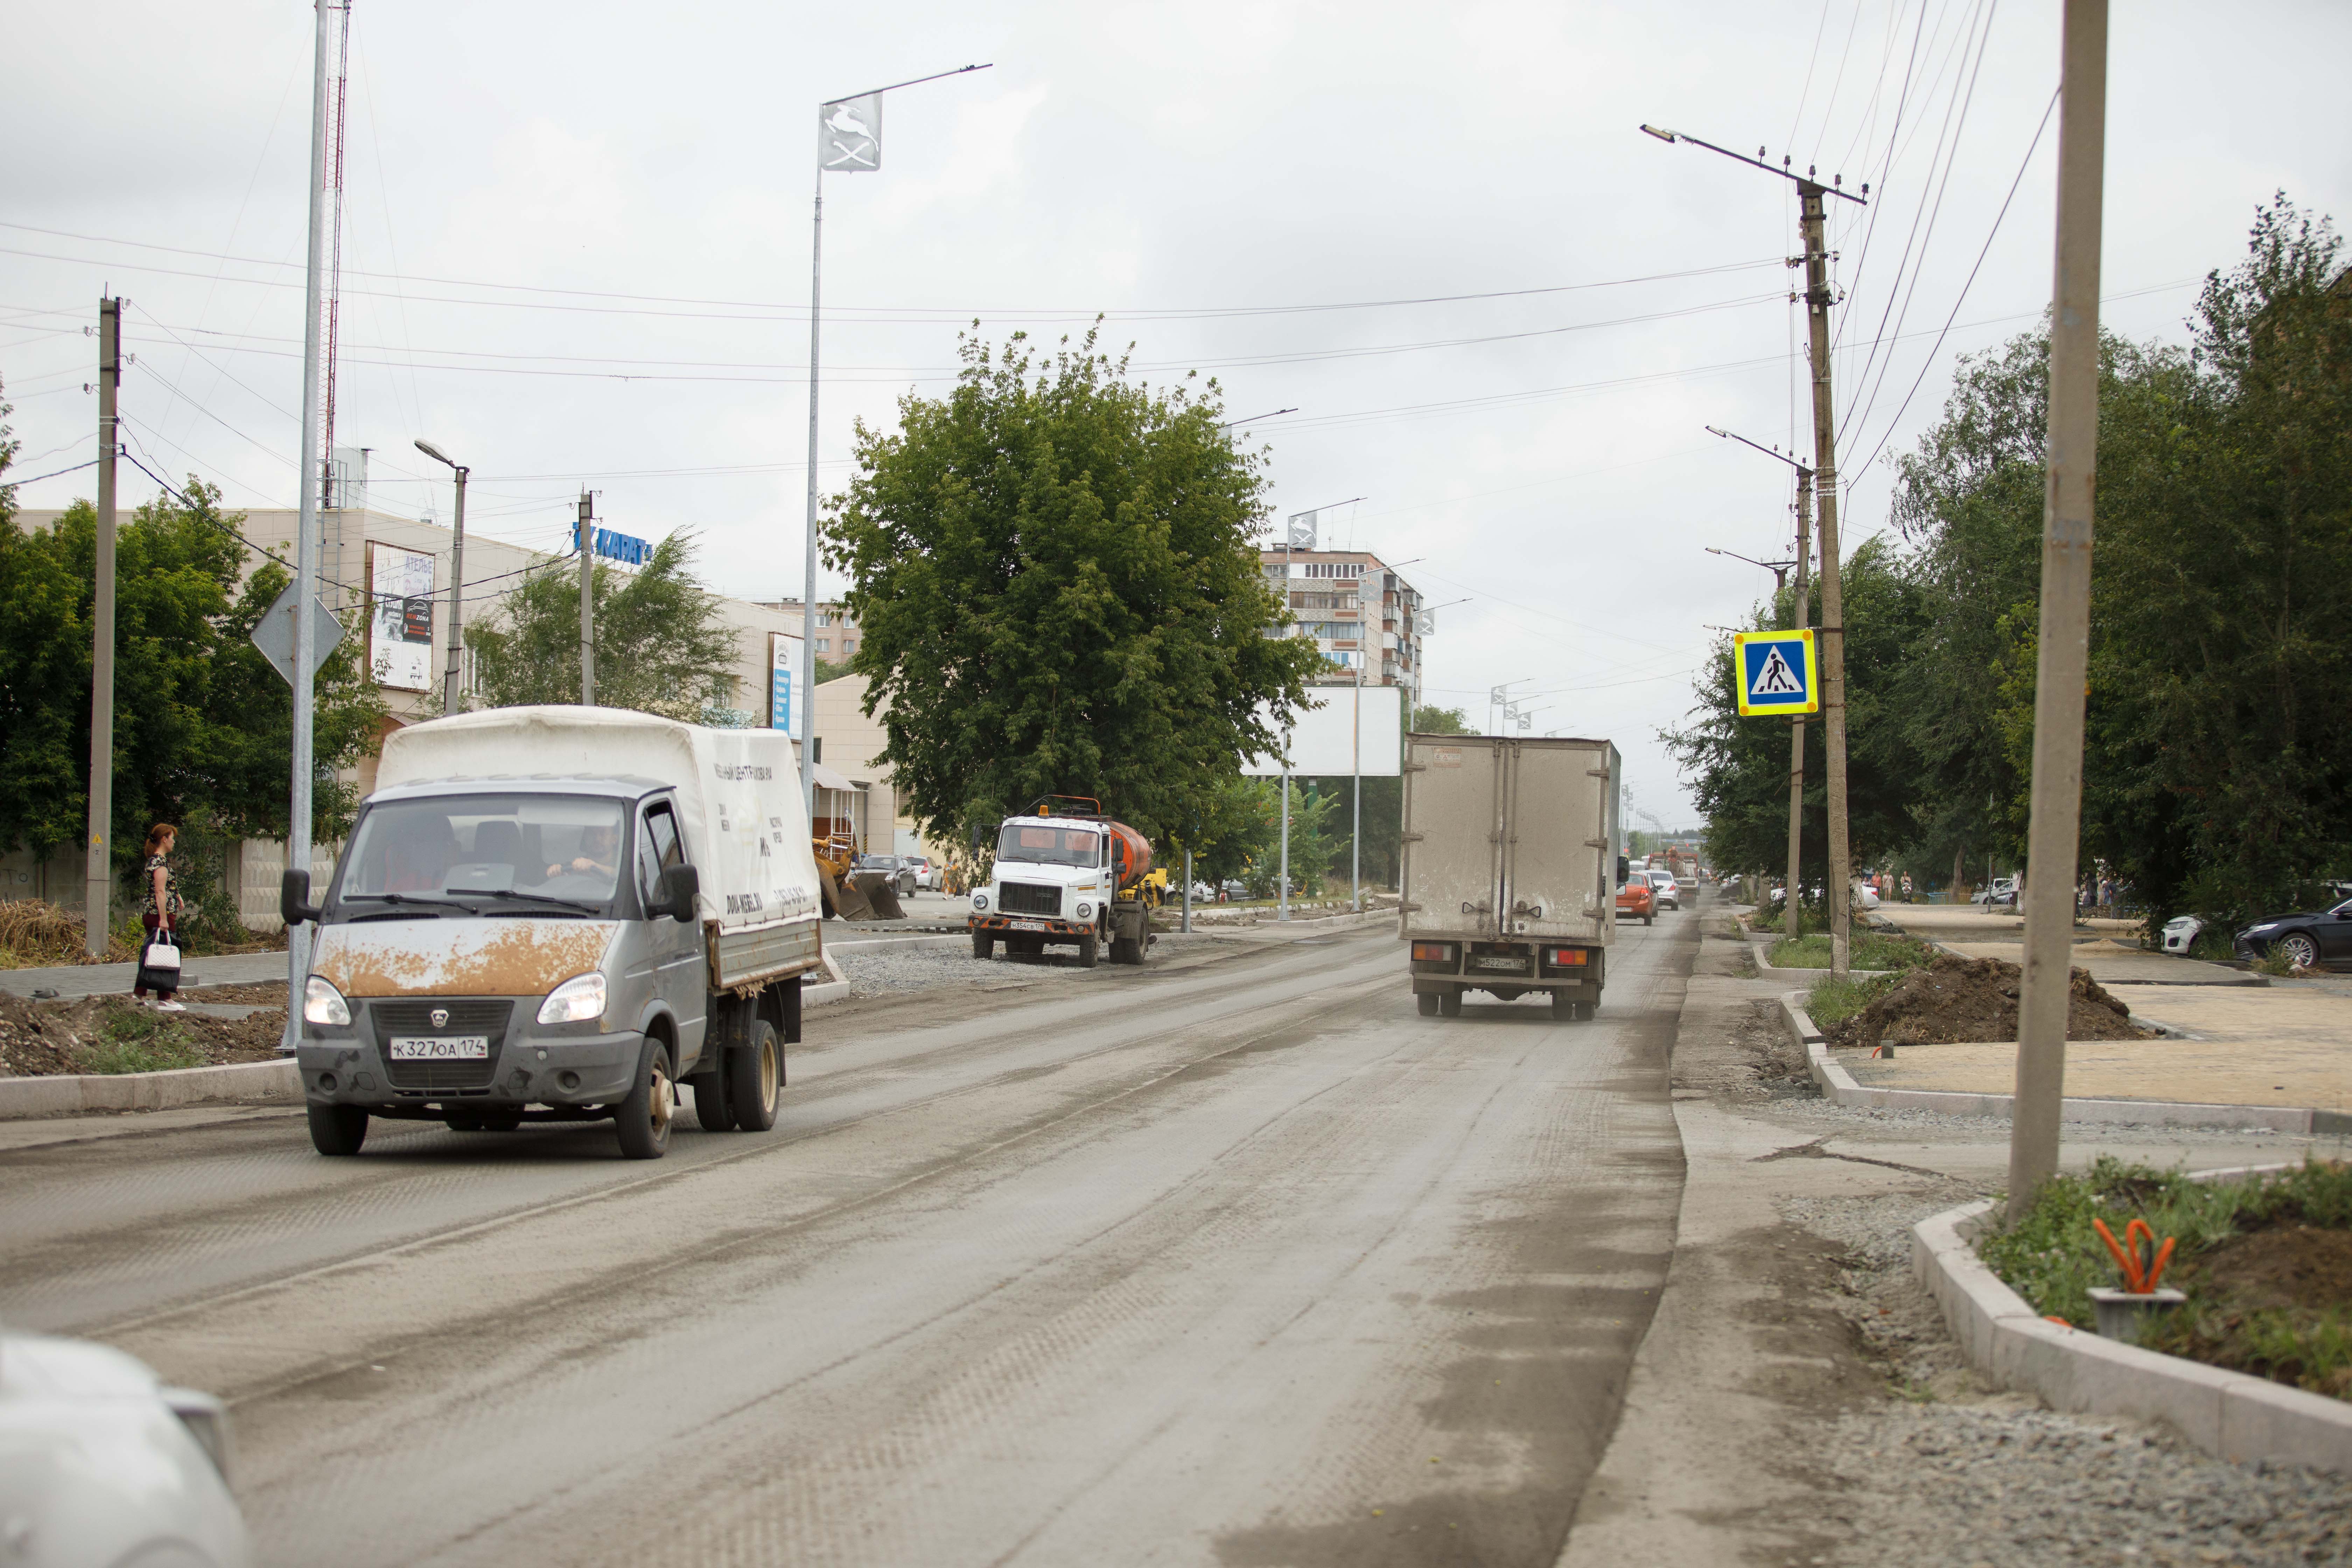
<point x="738" y="795"/>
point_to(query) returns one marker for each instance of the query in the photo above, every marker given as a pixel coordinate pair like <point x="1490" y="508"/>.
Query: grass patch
<point x="1832" y="1001"/>
<point x="1870" y="950"/>
<point x="2230" y="1236"/>
<point x="138" y="1041"/>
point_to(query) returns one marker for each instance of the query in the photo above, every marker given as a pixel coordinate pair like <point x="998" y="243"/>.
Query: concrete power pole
<point x="453" y="696"/>
<point x="1797" y="726"/>
<point x="587" y="600"/>
<point x="1833" y="632"/>
<point x="97" y="911"/>
<point x="2062" y="659"/>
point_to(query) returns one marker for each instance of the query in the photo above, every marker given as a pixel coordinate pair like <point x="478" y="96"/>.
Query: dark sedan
<point x="2314" y="941"/>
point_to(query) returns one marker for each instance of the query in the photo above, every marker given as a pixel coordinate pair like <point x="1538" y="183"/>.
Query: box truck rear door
<point x="1454" y="805"/>
<point x="1556" y="855"/>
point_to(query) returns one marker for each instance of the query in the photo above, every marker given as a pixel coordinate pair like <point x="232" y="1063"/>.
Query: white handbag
<point x="161" y="955"/>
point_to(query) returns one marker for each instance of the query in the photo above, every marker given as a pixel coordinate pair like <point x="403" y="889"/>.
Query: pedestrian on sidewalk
<point x="159" y="911"/>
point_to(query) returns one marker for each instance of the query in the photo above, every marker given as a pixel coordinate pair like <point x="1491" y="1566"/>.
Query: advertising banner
<point x="400" y="617"/>
<point x="1332" y="735"/>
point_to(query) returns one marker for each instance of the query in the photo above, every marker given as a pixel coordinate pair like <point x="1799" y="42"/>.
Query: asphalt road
<point x="1238" y="1261"/>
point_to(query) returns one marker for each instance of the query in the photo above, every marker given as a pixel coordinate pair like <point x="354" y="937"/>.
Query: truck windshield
<point x="548" y="851"/>
<point x="1049" y="845"/>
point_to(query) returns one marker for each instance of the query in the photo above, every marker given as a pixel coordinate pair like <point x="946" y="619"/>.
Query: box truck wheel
<point x="983" y="946"/>
<point x="711" y="1102"/>
<point x="1427" y="1001"/>
<point x="1449" y="1003"/>
<point x="754" y="1074"/>
<point x="338" y="1129"/>
<point x="1088" y="950"/>
<point x="643" y="1119"/>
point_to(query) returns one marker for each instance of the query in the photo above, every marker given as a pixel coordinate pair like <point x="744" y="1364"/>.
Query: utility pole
<point x="587" y="600"/>
<point x="1812" y="196"/>
<point x="310" y="477"/>
<point x="453" y="699"/>
<point x="1832" y="633"/>
<point x="1797" y="726"/>
<point x="2063" y="658"/>
<point x="98" y="874"/>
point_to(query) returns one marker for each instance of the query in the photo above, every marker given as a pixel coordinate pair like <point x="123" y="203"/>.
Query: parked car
<point x="100" y="1462"/>
<point x="2310" y="941"/>
<point x="900" y="871"/>
<point x="1665" y="889"/>
<point x="2180" y="933"/>
<point x="1234" y="889"/>
<point x="930" y="877"/>
<point x="2002" y="895"/>
<point x="1637" y="900"/>
<point x="1866" y="897"/>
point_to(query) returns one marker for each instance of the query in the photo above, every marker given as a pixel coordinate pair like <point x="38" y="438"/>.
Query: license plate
<point x="1030" y="925"/>
<point x="439" y="1048"/>
<point x="1516" y="964"/>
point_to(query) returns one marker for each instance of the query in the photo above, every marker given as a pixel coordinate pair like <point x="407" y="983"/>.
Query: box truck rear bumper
<point x="1444" y="966"/>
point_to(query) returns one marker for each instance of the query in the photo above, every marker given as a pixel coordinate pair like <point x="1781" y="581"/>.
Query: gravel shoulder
<point x="1797" y="1399"/>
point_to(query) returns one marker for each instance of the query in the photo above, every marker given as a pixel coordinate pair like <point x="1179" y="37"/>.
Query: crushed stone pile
<point x="1955" y="999"/>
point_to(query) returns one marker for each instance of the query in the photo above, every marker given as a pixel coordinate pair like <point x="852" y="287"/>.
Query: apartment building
<point x="836" y="629"/>
<point x="1360" y="613"/>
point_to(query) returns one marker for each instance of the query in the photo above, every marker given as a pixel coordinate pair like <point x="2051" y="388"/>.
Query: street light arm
<point x="1767" y="451"/>
<point x="912" y="81"/>
<point x="434" y="452"/>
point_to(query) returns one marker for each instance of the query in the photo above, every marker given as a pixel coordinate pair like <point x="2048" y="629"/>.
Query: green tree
<point x="1055" y="577"/>
<point x="662" y="642"/>
<point x="1441" y="721"/>
<point x="203" y="725"/>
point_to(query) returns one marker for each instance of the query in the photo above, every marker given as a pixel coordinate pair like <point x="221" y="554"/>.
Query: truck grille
<point x="1028" y="898"/>
<point x="465" y="1019"/>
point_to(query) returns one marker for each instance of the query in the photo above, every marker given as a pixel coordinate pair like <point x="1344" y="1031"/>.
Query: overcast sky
<point x="576" y="252"/>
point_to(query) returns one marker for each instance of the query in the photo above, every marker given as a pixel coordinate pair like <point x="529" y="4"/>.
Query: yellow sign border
<point x="1812" y="672"/>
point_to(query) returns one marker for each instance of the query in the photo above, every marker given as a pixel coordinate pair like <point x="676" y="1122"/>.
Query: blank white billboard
<point x="1342" y="730"/>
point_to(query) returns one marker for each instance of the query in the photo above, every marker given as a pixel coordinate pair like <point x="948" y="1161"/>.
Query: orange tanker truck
<point x="1064" y="875"/>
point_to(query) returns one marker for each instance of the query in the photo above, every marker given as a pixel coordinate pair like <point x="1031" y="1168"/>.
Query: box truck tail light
<point x="1562" y="957"/>
<point x="1432" y="953"/>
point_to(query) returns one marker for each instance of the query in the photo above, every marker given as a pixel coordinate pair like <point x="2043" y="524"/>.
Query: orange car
<point x="1636" y="897"/>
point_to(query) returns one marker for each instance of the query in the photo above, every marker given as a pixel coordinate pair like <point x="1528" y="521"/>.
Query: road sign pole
<point x="2063" y="658"/>
<point x="1797" y="727"/>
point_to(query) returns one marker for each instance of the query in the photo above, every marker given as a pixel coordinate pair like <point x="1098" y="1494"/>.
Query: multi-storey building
<point x="837" y="629"/>
<point x="1360" y="613"/>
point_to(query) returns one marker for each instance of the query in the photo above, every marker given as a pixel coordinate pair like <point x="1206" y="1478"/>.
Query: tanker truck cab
<point x="1065" y="879"/>
<point x="496" y="947"/>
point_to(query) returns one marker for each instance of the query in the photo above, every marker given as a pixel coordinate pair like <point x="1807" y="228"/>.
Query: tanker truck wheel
<point x="1126" y="950"/>
<point x="1426" y="1001"/>
<point x="983" y="946"/>
<point x="1090" y="951"/>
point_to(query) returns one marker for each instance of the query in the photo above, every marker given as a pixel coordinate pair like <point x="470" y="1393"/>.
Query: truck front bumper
<point x="1034" y="925"/>
<point x="558" y="1065"/>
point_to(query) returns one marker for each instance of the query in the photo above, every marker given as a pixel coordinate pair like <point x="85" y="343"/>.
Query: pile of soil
<point x="1955" y="999"/>
<point x="2292" y="1274"/>
<point x="41" y="1039"/>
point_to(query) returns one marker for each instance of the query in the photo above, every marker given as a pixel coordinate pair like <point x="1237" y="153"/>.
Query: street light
<point x="452" y="699"/>
<point x="1779" y="569"/>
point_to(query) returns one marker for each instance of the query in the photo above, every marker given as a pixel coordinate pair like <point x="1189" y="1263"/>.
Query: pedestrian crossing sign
<point x="1777" y="671"/>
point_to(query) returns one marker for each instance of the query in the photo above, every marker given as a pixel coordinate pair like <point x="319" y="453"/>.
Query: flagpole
<point x="808" y="567"/>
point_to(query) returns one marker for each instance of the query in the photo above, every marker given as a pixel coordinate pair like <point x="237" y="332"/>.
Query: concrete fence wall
<point x="252" y="874"/>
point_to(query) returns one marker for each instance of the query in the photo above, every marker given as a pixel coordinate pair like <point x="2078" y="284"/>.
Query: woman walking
<point x="159" y="910"/>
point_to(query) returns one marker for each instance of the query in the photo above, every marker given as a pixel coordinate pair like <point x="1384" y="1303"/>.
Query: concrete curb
<point x="244" y="1082"/>
<point x="2226" y="1414"/>
<point x="1838" y="1085"/>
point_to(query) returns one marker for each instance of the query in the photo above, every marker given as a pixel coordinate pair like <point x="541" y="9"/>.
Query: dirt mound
<point x="1955" y="999"/>
<point x="89" y="1033"/>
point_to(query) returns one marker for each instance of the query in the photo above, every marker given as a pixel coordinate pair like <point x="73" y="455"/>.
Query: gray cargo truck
<point x="1511" y="869"/>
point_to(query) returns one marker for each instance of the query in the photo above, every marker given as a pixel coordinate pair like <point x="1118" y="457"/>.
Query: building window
<point x="824" y="644"/>
<point x="849" y="645"/>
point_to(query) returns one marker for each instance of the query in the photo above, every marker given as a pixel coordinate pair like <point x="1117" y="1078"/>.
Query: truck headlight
<point x="578" y="1000"/>
<point x="980" y="901"/>
<point x="322" y="1003"/>
<point x="1086" y="910"/>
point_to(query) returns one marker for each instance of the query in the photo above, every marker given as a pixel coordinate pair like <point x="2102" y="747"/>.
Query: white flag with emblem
<point x="1302" y="531"/>
<point x="849" y="135"/>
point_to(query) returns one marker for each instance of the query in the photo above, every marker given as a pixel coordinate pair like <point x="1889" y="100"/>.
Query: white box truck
<point x="1511" y="869"/>
<point x="559" y="914"/>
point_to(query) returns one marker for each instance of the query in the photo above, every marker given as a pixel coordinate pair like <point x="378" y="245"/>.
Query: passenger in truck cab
<point x="599" y="854"/>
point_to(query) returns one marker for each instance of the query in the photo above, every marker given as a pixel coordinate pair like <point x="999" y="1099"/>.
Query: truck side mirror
<point x="294" y="905"/>
<point x="679" y="886"/>
<point x="1624" y="871"/>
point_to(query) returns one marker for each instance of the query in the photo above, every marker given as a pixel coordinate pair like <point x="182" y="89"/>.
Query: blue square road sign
<point x="1777" y="672"/>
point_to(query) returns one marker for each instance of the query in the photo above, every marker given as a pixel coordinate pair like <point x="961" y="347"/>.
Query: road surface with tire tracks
<point x="1238" y="1261"/>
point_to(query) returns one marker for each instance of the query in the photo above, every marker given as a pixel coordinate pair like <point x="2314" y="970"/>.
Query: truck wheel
<point x="338" y="1129"/>
<point x="1649" y="920"/>
<point x="754" y="1075"/>
<point x="1126" y="950"/>
<point x="710" y="1103"/>
<point x="1449" y="1003"/>
<point x="643" y="1119"/>
<point x="1426" y="1001"/>
<point x="1088" y="950"/>
<point x="983" y="946"/>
